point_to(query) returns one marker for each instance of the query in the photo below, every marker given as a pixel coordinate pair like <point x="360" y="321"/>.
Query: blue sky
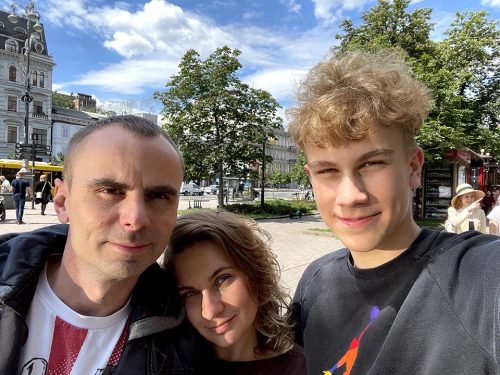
<point x="122" y="51"/>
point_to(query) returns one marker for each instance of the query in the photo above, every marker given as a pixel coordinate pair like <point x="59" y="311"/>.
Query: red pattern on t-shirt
<point x="66" y="344"/>
<point x="117" y="351"/>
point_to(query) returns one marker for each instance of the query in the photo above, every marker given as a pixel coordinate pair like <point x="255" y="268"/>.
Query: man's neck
<point x="87" y="295"/>
<point x="377" y="257"/>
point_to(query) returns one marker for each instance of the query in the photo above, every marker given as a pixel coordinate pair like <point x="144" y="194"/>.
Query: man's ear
<point x="60" y="200"/>
<point x="416" y="165"/>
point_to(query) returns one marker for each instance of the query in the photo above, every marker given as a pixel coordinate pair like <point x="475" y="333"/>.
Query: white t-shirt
<point x="63" y="342"/>
<point x="495" y="216"/>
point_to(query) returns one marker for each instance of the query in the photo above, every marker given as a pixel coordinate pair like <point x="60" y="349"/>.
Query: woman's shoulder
<point x="290" y="362"/>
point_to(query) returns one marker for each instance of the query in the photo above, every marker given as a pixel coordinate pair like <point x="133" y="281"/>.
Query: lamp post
<point x="33" y="26"/>
<point x="263" y="170"/>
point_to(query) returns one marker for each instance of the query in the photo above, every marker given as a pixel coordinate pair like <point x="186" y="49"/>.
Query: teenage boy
<point x="398" y="299"/>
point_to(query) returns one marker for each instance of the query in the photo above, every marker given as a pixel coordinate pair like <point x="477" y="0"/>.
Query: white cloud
<point x="251" y="15"/>
<point x="292" y="5"/>
<point x="130" y="77"/>
<point x="492" y="3"/>
<point x="152" y="39"/>
<point x="329" y="10"/>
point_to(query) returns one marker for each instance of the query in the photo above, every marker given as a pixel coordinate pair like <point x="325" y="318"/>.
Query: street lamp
<point x="33" y="26"/>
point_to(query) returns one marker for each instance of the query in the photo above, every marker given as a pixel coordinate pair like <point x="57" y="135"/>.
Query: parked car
<point x="212" y="189"/>
<point x="190" y="188"/>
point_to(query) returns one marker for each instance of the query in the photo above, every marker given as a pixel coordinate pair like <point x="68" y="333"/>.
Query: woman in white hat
<point x="465" y="212"/>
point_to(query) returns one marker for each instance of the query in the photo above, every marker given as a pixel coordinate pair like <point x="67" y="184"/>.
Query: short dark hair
<point x="134" y="124"/>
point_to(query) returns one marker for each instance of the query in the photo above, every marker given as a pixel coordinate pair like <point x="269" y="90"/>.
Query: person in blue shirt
<point x="19" y="187"/>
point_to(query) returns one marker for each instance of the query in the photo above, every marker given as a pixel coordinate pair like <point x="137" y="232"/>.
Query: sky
<point x="123" y="51"/>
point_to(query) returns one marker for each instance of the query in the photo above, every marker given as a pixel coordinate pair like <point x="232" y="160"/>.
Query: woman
<point x="494" y="219"/>
<point x="229" y="280"/>
<point x="465" y="212"/>
<point x="42" y="192"/>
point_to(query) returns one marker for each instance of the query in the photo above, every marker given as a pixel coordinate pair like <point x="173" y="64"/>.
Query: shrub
<point x="277" y="207"/>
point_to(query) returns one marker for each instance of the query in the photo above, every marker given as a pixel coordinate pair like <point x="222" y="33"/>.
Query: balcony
<point x="40" y="115"/>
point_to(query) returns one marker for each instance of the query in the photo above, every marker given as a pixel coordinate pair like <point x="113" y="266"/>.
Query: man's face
<point x="121" y="205"/>
<point x="363" y="190"/>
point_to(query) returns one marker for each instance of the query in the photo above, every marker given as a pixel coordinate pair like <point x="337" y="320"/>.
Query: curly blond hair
<point x="342" y="98"/>
<point x="247" y="246"/>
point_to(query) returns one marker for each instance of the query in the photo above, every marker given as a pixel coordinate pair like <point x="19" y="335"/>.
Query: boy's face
<point x="362" y="190"/>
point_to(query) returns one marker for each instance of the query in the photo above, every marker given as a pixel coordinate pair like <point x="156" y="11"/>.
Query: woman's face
<point x="467" y="199"/>
<point x="218" y="302"/>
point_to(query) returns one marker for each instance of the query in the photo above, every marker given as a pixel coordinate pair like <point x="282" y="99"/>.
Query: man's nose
<point x="134" y="214"/>
<point x="211" y="304"/>
<point x="351" y="191"/>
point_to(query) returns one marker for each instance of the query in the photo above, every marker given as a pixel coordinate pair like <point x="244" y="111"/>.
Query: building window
<point x="10" y="46"/>
<point x="12" y="73"/>
<point x="42" y="80"/>
<point x="65" y="132"/>
<point x="11" y="134"/>
<point x="39" y="136"/>
<point x="35" y="78"/>
<point x="12" y="103"/>
<point x="38" y="107"/>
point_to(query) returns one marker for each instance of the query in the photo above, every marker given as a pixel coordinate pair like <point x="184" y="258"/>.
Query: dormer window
<point x="11" y="46"/>
<point x="12" y="73"/>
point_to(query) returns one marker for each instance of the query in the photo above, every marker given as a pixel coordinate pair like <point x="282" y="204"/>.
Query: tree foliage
<point x="62" y="100"/>
<point x="462" y="70"/>
<point x="298" y="174"/>
<point x="219" y="123"/>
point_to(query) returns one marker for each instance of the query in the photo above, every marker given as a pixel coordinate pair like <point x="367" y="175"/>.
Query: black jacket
<point x="159" y="340"/>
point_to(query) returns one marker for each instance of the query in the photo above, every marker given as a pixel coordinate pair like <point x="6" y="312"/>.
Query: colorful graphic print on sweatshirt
<point x="349" y="358"/>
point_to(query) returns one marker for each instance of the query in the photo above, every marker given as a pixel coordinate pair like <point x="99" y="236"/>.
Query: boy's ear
<point x="416" y="165"/>
<point x="306" y="169"/>
<point x="60" y="198"/>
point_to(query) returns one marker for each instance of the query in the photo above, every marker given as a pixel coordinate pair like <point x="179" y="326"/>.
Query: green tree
<point x="57" y="159"/>
<point x="388" y="24"/>
<point x="278" y="178"/>
<point x="461" y="70"/>
<point x="298" y="174"/>
<point x="218" y="122"/>
<point x="62" y="100"/>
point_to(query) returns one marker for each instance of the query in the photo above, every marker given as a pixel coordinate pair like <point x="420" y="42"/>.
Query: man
<point x="398" y="299"/>
<point x="88" y="297"/>
<point x="19" y="187"/>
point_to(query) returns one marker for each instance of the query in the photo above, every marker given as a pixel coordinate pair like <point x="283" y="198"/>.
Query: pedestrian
<point x="228" y="278"/>
<point x="5" y="185"/>
<point x="42" y="192"/>
<point x="494" y="219"/>
<point x="465" y="212"/>
<point x="87" y="296"/>
<point x="488" y="202"/>
<point x="496" y="195"/>
<point x="398" y="299"/>
<point x="19" y="188"/>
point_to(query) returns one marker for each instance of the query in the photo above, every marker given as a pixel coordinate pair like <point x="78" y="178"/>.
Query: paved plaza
<point x="292" y="242"/>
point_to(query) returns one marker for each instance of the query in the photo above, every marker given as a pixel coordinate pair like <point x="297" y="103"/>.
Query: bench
<point x="296" y="213"/>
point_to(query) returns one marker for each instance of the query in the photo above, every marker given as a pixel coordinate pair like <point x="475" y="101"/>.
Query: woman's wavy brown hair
<point x="343" y="97"/>
<point x="247" y="246"/>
